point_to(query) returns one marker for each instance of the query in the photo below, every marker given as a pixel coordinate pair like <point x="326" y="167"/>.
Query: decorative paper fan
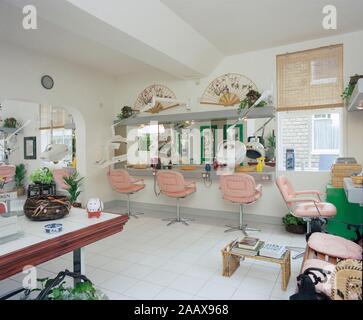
<point x="159" y="91"/>
<point x="227" y="90"/>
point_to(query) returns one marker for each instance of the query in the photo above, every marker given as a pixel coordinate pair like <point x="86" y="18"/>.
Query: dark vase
<point x="296" y="229"/>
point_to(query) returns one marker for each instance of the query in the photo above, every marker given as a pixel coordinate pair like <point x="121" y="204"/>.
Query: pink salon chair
<point x="172" y="184"/>
<point x="242" y="189"/>
<point x="123" y="183"/>
<point x="7" y="174"/>
<point x="307" y="207"/>
<point x="304" y="204"/>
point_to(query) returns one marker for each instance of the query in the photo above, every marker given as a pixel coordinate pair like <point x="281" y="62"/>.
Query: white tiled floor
<point x="151" y="261"/>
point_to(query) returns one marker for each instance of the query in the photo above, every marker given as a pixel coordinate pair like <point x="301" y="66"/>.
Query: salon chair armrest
<point x="137" y="180"/>
<point x="189" y="183"/>
<point x="307" y="199"/>
<point x="311" y="192"/>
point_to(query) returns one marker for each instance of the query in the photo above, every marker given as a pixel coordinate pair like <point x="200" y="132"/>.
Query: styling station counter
<point x="268" y="174"/>
<point x="208" y="199"/>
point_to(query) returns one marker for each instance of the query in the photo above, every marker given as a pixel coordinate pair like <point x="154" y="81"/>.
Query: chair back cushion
<point x="286" y="189"/>
<point x="119" y="179"/>
<point x="170" y="182"/>
<point x="238" y="187"/>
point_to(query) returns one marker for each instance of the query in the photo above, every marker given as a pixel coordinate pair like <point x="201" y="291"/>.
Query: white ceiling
<point x="117" y="38"/>
<point x="57" y="42"/>
<point x="236" y="26"/>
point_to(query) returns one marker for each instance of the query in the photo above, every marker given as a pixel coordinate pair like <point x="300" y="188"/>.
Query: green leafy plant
<point x="347" y="93"/>
<point x="126" y="112"/>
<point x="81" y="291"/>
<point x="43" y="176"/>
<point x="251" y="97"/>
<point x="271" y="140"/>
<point x="289" y="220"/>
<point x="20" y="173"/>
<point x="74" y="182"/>
<point x="10" y="123"/>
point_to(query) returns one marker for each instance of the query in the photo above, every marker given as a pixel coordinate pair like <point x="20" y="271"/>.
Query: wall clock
<point x="157" y="90"/>
<point x="227" y="90"/>
<point x="47" y="82"/>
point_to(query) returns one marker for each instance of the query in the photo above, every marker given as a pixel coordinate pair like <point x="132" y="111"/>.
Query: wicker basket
<point x="358" y="180"/>
<point x="46" y="208"/>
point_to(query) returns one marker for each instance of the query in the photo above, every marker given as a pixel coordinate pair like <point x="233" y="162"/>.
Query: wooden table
<point x="231" y="261"/>
<point x="37" y="247"/>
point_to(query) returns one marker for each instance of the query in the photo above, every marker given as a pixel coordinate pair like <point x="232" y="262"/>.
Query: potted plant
<point x="294" y="224"/>
<point x="10" y="123"/>
<point x="348" y="90"/>
<point x="20" y="173"/>
<point x="271" y="146"/>
<point x="56" y="289"/>
<point x="42" y="176"/>
<point x="251" y="97"/>
<point x="74" y="182"/>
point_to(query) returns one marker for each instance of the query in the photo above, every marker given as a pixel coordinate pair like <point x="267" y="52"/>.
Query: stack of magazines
<point x="248" y="246"/>
<point x="273" y="250"/>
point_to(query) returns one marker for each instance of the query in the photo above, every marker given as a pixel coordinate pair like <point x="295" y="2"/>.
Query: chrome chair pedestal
<point x="241" y="227"/>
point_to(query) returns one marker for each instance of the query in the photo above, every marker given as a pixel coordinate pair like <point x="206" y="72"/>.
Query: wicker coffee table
<point x="231" y="261"/>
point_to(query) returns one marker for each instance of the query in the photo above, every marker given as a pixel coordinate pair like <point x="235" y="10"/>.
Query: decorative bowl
<point x="46" y="208"/>
<point x="53" y="228"/>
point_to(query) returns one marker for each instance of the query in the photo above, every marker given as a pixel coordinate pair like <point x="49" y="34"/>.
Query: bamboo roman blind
<point x="49" y="114"/>
<point x="311" y="79"/>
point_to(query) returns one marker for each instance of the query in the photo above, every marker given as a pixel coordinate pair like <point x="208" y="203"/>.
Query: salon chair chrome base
<point x="241" y="227"/>
<point x="178" y="219"/>
<point x="129" y="213"/>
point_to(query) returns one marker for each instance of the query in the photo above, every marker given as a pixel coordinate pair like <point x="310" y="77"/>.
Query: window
<point x="310" y="79"/>
<point x="52" y="130"/>
<point x="325" y="133"/>
<point x="310" y="84"/>
<point x="313" y="135"/>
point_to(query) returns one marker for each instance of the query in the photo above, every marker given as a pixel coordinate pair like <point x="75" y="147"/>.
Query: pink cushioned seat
<point x="123" y="183"/>
<point x="334" y="246"/>
<point x="308" y="210"/>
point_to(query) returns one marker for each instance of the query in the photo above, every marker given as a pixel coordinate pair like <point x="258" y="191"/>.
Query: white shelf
<point x="222" y="114"/>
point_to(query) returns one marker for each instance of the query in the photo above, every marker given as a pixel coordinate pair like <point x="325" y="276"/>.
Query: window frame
<point x="279" y="138"/>
<point x="312" y="135"/>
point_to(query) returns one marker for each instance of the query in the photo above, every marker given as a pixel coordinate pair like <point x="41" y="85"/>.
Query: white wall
<point x="87" y="94"/>
<point x="260" y="67"/>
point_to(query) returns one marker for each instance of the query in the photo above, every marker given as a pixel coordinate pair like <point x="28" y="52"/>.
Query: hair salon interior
<point x="181" y="150"/>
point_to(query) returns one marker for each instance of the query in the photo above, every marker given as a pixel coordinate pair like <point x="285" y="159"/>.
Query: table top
<point x="36" y="246"/>
<point x="34" y="230"/>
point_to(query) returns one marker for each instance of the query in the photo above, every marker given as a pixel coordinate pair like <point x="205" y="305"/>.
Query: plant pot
<point x="296" y="229"/>
<point x="46" y="208"/>
<point x="20" y="191"/>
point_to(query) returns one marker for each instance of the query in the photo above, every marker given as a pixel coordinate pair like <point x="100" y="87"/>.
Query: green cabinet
<point x="346" y="212"/>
